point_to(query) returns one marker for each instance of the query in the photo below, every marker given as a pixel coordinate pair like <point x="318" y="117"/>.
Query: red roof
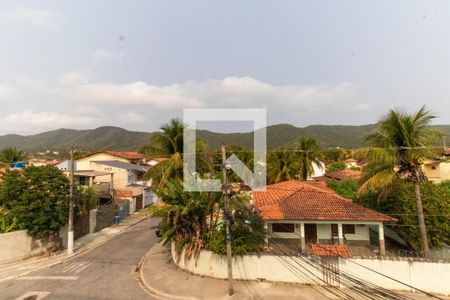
<point x="126" y="154"/>
<point x="330" y="250"/>
<point x="296" y="200"/>
<point x="123" y="193"/>
<point x="342" y="174"/>
<point x="447" y="151"/>
<point x="350" y="160"/>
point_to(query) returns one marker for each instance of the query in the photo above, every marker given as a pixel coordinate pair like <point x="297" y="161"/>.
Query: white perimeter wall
<point x="433" y="277"/>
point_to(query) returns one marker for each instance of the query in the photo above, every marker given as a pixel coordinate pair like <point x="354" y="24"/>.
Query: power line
<point x="379" y="273"/>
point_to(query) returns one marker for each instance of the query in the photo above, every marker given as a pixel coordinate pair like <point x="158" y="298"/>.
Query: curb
<point x="83" y="250"/>
<point x="151" y="290"/>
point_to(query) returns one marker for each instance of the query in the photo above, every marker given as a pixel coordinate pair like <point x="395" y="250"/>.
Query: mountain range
<point x="115" y="138"/>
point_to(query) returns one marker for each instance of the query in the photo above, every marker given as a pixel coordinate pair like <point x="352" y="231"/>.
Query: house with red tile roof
<point x="304" y="215"/>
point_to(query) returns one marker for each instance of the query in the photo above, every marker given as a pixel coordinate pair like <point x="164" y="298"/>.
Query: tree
<point x="347" y="188"/>
<point x="397" y="151"/>
<point x="310" y="154"/>
<point x="400" y="203"/>
<point x="10" y="155"/>
<point x="282" y="165"/>
<point x="190" y="218"/>
<point x="37" y="197"/>
<point x="169" y="143"/>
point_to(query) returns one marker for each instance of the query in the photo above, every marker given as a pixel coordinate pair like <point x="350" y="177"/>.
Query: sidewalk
<point x="11" y="270"/>
<point x="161" y="277"/>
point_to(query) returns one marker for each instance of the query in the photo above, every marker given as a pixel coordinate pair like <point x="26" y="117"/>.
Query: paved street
<point x="107" y="272"/>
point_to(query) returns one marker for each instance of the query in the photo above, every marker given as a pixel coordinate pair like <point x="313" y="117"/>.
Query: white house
<point x="302" y="214"/>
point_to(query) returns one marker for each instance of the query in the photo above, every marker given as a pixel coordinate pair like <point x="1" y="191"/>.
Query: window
<point x="348" y="229"/>
<point x="334" y="230"/>
<point x="84" y="180"/>
<point x="282" y="227"/>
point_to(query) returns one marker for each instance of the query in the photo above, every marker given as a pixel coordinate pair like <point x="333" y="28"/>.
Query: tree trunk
<point x="420" y="216"/>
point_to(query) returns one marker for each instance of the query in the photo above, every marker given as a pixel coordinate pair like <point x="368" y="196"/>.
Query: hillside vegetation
<point x="115" y="138"/>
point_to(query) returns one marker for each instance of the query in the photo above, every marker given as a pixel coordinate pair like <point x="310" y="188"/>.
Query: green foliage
<point x="190" y="217"/>
<point x="400" y="204"/>
<point x="158" y="211"/>
<point x="336" y="166"/>
<point x="247" y="231"/>
<point x="86" y="199"/>
<point x="37" y="197"/>
<point x="7" y="223"/>
<point x="309" y="153"/>
<point x="347" y="188"/>
<point x="282" y="165"/>
<point x="10" y="155"/>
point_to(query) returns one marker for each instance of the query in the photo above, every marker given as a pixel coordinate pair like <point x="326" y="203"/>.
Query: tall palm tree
<point x="282" y="165"/>
<point x="396" y="153"/>
<point x="169" y="143"/>
<point x="310" y="154"/>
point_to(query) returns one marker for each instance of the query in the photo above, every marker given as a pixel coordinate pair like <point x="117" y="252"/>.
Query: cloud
<point x="74" y="101"/>
<point x="7" y="93"/>
<point x="102" y="55"/>
<point x="131" y="118"/>
<point x="134" y="94"/>
<point x="29" y="16"/>
<point x="30" y="121"/>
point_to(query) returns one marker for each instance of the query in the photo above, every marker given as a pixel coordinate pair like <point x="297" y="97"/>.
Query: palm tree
<point x="310" y="154"/>
<point x="282" y="165"/>
<point x="10" y="155"/>
<point x="169" y="143"/>
<point x="396" y="153"/>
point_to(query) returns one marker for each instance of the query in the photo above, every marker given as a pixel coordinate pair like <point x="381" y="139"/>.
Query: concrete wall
<point x="432" y="277"/>
<point x="429" y="276"/>
<point x="19" y="245"/>
<point x="15" y="245"/>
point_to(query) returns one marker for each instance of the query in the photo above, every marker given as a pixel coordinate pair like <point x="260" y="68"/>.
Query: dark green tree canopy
<point x="37" y="197"/>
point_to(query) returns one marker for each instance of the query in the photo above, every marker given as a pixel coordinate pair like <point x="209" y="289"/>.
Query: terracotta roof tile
<point x="296" y="200"/>
<point x="330" y="250"/>
<point x="126" y="154"/>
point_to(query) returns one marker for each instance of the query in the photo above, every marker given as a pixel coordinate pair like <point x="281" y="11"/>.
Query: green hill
<point x="115" y="138"/>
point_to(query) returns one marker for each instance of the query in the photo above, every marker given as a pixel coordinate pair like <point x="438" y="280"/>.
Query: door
<point x="311" y="233"/>
<point x="139" y="204"/>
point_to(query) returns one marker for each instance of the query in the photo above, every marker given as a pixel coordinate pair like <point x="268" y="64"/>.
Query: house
<point x="318" y="169"/>
<point x="301" y="214"/>
<point x="351" y="163"/>
<point x="438" y="170"/>
<point x="123" y="171"/>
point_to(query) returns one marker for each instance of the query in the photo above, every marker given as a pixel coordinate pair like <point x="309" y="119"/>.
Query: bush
<point x="336" y="166"/>
<point x="247" y="231"/>
<point x="37" y="197"/>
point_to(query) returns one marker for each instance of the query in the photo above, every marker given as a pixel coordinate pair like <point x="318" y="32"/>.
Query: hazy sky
<point x="136" y="64"/>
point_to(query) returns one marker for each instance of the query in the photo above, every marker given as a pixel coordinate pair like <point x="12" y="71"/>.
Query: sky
<point x="137" y="64"/>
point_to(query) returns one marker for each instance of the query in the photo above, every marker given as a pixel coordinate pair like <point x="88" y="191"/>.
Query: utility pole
<point x="71" y="203"/>
<point x="227" y="222"/>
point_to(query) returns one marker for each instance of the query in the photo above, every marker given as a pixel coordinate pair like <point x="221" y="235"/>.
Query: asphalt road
<point x="107" y="272"/>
